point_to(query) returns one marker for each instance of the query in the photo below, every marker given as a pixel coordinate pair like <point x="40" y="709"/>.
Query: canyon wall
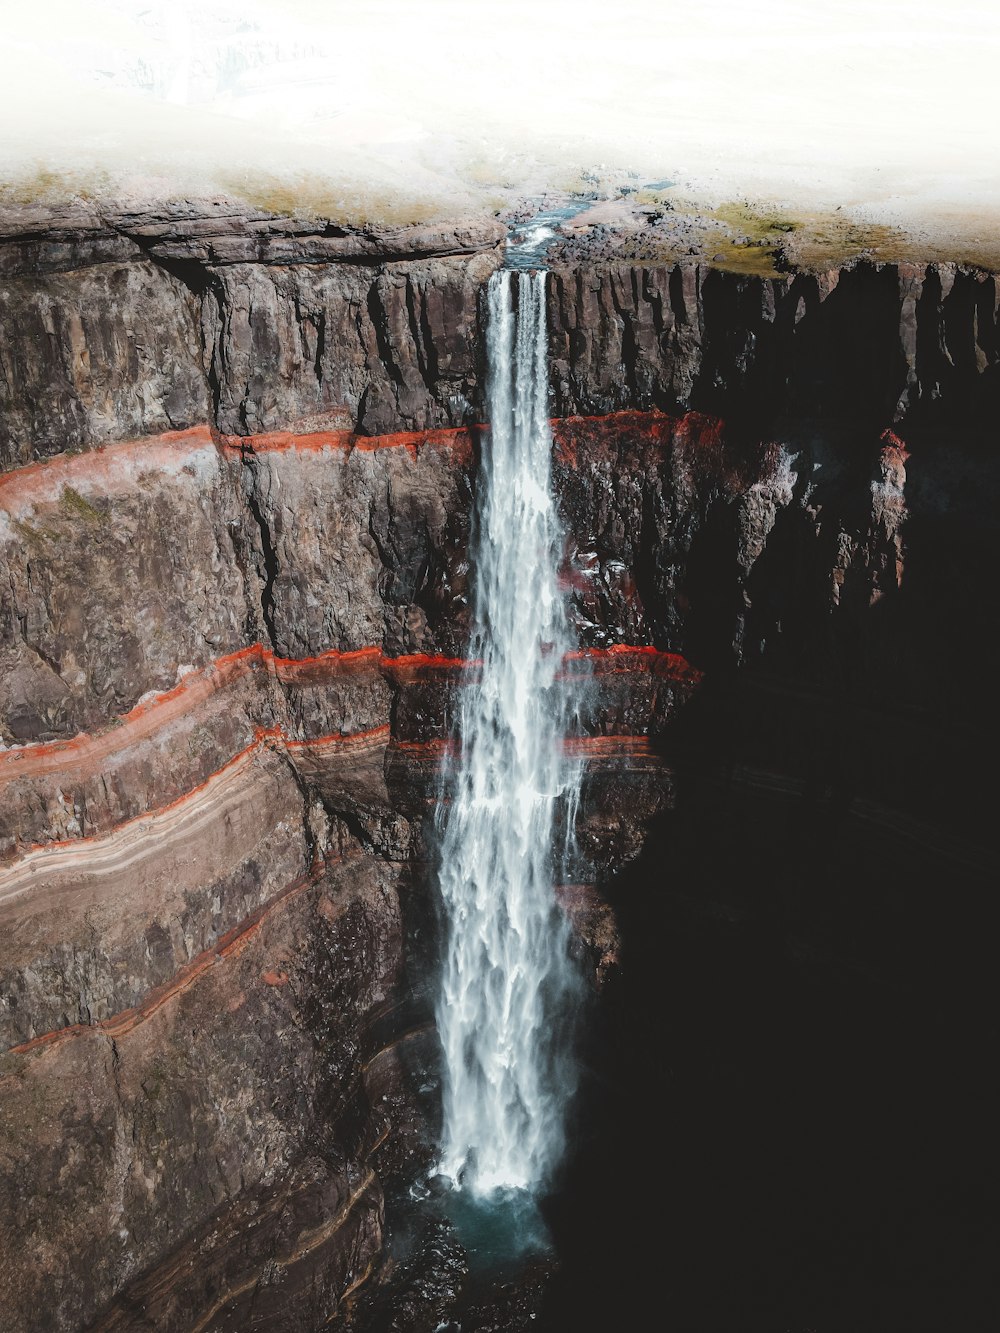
<point x="239" y="460"/>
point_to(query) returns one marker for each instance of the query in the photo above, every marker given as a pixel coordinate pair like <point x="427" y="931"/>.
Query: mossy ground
<point x="763" y="240"/>
<point x="658" y="227"/>
<point x="48" y="186"/>
<point x="659" y="224"/>
<point x="309" y="197"/>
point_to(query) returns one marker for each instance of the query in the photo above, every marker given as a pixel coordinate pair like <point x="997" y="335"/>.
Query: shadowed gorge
<point x="242" y="458"/>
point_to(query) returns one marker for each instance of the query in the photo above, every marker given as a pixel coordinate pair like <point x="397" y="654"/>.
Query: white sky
<point x="887" y="106"/>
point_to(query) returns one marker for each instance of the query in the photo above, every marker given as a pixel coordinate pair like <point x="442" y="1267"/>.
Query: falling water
<point x="507" y="983"/>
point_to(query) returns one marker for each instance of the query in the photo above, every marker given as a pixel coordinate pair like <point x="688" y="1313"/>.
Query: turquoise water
<point x="496" y="1231"/>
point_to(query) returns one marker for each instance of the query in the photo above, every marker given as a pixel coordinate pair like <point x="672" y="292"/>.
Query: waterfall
<point x="508" y="985"/>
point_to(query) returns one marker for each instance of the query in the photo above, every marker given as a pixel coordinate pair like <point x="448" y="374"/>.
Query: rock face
<point x="158" y="1120"/>
<point x="238" y="461"/>
<point x="121" y="326"/>
<point x="97" y="353"/>
<point x="869" y="344"/>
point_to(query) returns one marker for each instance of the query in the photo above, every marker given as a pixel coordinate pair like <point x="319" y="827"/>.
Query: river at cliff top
<point x="529" y="240"/>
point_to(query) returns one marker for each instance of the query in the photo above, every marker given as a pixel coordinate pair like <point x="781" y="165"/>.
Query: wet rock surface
<point x="428" y="1286"/>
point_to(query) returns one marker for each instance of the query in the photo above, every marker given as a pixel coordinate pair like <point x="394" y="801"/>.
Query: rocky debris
<point x="515" y="1304"/>
<point x="621" y="231"/>
<point x="417" y="1292"/>
<point x="427" y="1284"/>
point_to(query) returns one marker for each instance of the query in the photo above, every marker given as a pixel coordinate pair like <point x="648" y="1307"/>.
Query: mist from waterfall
<point x="508" y="986"/>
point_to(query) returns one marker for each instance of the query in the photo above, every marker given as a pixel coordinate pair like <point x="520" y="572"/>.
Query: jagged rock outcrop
<point x="96" y="353"/>
<point x="112" y="583"/>
<point x="869" y="344"/>
<point x="344" y="346"/>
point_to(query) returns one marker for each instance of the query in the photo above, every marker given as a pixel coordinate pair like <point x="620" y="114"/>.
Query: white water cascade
<point x="508" y="985"/>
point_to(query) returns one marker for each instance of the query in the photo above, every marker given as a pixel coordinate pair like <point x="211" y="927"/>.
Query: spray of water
<point x="508" y="984"/>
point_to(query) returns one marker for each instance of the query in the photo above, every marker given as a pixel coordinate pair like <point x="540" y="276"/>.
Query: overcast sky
<point x="883" y="104"/>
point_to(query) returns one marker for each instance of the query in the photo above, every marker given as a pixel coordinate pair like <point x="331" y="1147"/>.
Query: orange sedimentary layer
<point x="108" y="466"/>
<point x="372" y="738"/>
<point x="43" y="483"/>
<point x="588" y="748"/>
<point x="358" y="741"/>
<point x="659" y="430"/>
<point x="100" y="467"/>
<point x="457" y="440"/>
<point x="688" y="428"/>
<point x="147" y="717"/>
<point x="627" y="658"/>
<point x="334" y="663"/>
<point x="606" y="747"/>
<point x="157" y="711"/>
<point x="307" y="1241"/>
<point x="230" y="945"/>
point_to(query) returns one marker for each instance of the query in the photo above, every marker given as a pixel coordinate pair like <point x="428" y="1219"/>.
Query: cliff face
<point x="870" y="345"/>
<point x="122" y="326"/>
<point x="239" y="463"/>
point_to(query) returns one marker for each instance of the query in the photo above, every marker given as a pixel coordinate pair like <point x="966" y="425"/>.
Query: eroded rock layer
<point x="221" y="1082"/>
